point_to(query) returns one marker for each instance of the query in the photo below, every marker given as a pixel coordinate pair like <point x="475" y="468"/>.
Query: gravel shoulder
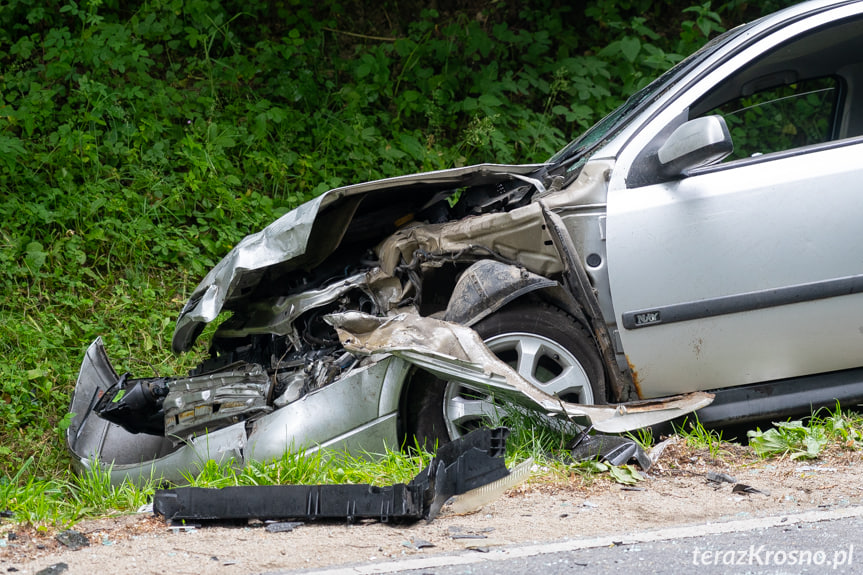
<point x="674" y="492"/>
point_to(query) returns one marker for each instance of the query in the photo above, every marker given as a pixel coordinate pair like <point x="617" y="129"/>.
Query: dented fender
<point x="487" y="286"/>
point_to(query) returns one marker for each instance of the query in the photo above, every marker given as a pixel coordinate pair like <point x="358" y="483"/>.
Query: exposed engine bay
<point x="278" y="346"/>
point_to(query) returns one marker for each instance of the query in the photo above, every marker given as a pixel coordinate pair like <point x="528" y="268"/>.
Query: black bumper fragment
<point x="464" y="464"/>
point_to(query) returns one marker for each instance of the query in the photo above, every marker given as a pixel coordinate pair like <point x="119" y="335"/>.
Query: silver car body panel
<point x="672" y="246"/>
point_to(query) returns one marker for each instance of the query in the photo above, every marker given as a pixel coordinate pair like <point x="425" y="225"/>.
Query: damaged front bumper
<point x="308" y="424"/>
<point x="93" y="440"/>
<point x="357" y="412"/>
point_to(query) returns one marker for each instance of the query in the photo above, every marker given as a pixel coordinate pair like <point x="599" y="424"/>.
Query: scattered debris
<point x="612" y="449"/>
<point x="460" y="466"/>
<point x="417" y="543"/>
<point x="458" y="532"/>
<point x="184" y="527"/>
<point x="719" y="478"/>
<point x="657" y="450"/>
<point x="747" y="489"/>
<point x="283" y="526"/>
<point x="54" y="569"/>
<point x="813" y="468"/>
<point x="72" y="539"/>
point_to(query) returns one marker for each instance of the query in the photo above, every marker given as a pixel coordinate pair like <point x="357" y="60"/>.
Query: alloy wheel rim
<point x="542" y="362"/>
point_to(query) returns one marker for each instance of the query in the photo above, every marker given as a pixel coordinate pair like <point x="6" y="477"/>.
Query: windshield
<point x="619" y="118"/>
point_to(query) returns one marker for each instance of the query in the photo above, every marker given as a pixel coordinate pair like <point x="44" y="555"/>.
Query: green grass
<point x="699" y="437"/>
<point x="65" y="499"/>
<point x="61" y="502"/>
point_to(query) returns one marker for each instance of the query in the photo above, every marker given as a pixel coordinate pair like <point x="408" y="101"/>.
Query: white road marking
<point x="516" y="551"/>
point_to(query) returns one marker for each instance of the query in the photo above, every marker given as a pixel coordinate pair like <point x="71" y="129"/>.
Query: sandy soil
<point x="675" y="492"/>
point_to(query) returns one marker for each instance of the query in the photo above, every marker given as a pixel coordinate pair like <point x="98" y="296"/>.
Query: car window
<point x="781" y="118"/>
<point x="804" y="91"/>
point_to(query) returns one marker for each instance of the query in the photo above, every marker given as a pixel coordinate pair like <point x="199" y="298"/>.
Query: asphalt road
<point x="817" y="542"/>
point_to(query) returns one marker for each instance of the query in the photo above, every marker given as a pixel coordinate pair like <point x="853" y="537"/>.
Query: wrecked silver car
<point x="690" y="245"/>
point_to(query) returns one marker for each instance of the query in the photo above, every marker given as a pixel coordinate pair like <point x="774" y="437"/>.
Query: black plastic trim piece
<point x="459" y="466"/>
<point x="784" y="398"/>
<point x="743" y="302"/>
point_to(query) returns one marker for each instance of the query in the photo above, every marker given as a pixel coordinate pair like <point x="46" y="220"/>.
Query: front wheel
<point x="546" y="346"/>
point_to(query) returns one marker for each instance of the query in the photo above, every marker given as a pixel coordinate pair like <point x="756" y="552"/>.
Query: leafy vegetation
<point x="799" y="440"/>
<point x="139" y="141"/>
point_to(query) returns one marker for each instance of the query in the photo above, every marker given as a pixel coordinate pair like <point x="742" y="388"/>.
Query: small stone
<point x="283" y="526"/>
<point x="54" y="569"/>
<point x="72" y="539"/>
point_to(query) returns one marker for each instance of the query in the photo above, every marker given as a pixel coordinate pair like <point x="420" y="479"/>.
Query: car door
<point x="749" y="270"/>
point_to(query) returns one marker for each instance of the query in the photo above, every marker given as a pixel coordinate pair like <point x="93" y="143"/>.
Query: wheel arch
<point x="487" y="286"/>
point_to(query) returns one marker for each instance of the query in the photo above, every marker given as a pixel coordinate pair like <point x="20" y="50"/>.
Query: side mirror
<point x="696" y="143"/>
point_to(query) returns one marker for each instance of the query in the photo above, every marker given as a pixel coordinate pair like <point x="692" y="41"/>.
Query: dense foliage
<point x="140" y="140"/>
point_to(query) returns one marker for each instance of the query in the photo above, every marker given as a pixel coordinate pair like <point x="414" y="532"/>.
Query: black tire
<point x="437" y="411"/>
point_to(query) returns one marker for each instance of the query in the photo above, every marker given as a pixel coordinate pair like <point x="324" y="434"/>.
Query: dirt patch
<point x="675" y="492"/>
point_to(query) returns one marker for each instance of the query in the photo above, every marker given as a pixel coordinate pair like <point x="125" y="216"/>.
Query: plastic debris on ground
<point x="465" y="464"/>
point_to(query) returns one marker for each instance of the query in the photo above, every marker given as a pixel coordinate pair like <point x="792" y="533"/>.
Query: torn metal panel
<point x="517" y="235"/>
<point x="467" y="463"/>
<point x="457" y="353"/>
<point x="581" y="289"/>
<point x="277" y="315"/>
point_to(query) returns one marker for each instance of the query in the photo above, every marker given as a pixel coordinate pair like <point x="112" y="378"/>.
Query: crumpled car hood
<point x="288" y="239"/>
